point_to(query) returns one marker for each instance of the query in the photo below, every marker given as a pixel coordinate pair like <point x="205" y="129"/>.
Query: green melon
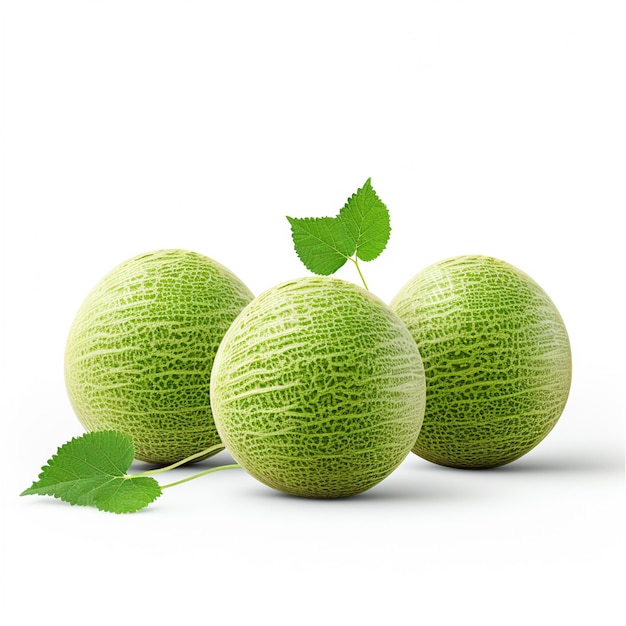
<point x="139" y="353"/>
<point x="318" y="389"/>
<point x="497" y="359"/>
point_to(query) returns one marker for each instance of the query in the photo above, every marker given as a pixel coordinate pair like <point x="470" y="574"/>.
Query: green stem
<point x="160" y="470"/>
<point x="204" y="473"/>
<point x="358" y="269"/>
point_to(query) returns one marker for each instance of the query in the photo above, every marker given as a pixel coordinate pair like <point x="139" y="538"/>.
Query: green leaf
<point x="366" y="219"/>
<point x="322" y="243"/>
<point x="360" y="231"/>
<point x="91" y="471"/>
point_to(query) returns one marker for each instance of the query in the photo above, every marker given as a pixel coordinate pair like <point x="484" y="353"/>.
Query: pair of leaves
<point x="91" y="470"/>
<point x="360" y="231"/>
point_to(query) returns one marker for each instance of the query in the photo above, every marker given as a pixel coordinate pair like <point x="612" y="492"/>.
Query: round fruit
<point x="497" y="360"/>
<point x="140" y="351"/>
<point x="318" y="389"/>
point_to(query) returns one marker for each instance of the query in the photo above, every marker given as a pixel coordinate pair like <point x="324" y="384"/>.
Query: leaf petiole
<point x="204" y="473"/>
<point x="358" y="269"/>
<point x="193" y="457"/>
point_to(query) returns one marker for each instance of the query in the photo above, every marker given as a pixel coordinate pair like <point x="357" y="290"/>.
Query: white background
<point x="487" y="127"/>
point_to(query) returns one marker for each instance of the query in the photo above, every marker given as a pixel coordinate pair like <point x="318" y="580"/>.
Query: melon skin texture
<point x="140" y="350"/>
<point x="318" y="389"/>
<point x="497" y="359"/>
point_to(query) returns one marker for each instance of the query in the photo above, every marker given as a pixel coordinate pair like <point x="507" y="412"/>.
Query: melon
<point x="140" y="350"/>
<point x="318" y="389"/>
<point x="497" y="360"/>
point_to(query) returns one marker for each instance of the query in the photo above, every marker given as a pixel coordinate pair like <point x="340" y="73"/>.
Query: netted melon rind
<point x="318" y="389"/>
<point x="497" y="359"/>
<point x="140" y="351"/>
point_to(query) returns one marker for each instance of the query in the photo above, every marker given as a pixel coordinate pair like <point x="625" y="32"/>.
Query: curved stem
<point x="355" y="260"/>
<point x="193" y="457"/>
<point x="204" y="473"/>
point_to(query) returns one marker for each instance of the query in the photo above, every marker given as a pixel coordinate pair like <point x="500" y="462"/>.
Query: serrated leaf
<point x="366" y="219"/>
<point x="322" y="243"/>
<point x="91" y="470"/>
